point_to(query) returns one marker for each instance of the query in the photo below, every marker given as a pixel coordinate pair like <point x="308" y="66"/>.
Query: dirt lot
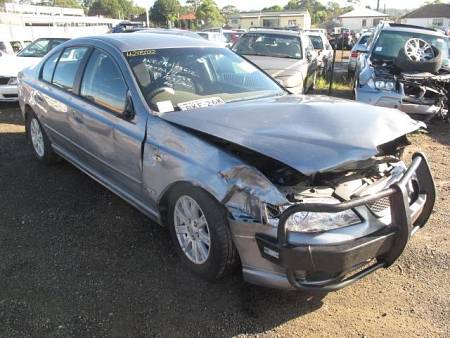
<point x="75" y="260"/>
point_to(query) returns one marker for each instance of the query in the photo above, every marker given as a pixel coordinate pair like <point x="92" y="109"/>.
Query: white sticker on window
<point x="165" y="106"/>
<point x="378" y="49"/>
<point x="201" y="103"/>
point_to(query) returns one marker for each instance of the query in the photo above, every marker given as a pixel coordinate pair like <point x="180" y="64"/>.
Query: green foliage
<point x="320" y="13"/>
<point x="209" y="13"/>
<point x="164" y="11"/>
<point x="118" y="9"/>
<point x="66" y="3"/>
<point x="275" y="8"/>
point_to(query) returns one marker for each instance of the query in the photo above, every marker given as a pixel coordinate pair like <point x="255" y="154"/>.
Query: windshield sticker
<point x="140" y="52"/>
<point x="378" y="49"/>
<point x="165" y="106"/>
<point x="201" y="103"/>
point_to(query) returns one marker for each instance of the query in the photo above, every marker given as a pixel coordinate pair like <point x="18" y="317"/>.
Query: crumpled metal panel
<point x="308" y="133"/>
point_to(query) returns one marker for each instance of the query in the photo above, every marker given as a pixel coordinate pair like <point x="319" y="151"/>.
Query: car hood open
<point x="308" y="133"/>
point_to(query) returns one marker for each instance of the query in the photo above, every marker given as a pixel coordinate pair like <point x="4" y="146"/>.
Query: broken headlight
<point x="308" y="221"/>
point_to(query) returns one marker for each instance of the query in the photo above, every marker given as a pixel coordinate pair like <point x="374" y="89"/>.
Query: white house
<point x="432" y="16"/>
<point x="361" y="18"/>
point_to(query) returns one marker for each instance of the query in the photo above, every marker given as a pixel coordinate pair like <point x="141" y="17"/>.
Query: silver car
<point x="304" y="193"/>
<point x="360" y="45"/>
<point x="287" y="56"/>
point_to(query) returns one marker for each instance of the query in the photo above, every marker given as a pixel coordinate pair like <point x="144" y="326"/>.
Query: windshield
<point x="269" y="45"/>
<point x="390" y="42"/>
<point x="40" y="47"/>
<point x="189" y="78"/>
<point x="316" y="41"/>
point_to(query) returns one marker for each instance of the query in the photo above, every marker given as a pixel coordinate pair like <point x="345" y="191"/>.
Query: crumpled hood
<point x="11" y="65"/>
<point x="308" y="133"/>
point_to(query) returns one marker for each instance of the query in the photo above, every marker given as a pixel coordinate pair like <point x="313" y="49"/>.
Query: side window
<point x="49" y="66"/>
<point x="103" y="83"/>
<point x="67" y="67"/>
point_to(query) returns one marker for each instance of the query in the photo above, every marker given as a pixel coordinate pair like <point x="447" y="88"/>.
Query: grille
<point x="4" y="80"/>
<point x="379" y="206"/>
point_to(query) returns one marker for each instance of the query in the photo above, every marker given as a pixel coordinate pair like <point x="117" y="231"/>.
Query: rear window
<point x="316" y="41"/>
<point x="274" y="45"/>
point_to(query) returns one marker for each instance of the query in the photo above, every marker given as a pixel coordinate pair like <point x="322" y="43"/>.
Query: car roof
<point x="127" y="42"/>
<point x="410" y="28"/>
<point x="274" y="31"/>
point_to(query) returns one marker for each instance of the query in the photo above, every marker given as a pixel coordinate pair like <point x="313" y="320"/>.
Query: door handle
<point x="39" y="98"/>
<point x="77" y="118"/>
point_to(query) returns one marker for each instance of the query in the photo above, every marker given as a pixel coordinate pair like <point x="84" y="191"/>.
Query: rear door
<point x="54" y="98"/>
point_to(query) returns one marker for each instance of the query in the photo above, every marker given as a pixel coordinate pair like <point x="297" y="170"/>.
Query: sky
<point x="245" y="5"/>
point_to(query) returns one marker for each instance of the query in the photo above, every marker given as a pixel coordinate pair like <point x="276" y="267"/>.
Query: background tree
<point x="165" y="12"/>
<point x="209" y="13"/>
<point x="228" y="11"/>
<point x="66" y="3"/>
<point x="118" y="9"/>
<point x="275" y="8"/>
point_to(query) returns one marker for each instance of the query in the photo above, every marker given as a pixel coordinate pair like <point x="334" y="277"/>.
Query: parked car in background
<point x="405" y="67"/>
<point x="288" y="56"/>
<point x="216" y="37"/>
<point x="306" y="193"/>
<point x="11" y="65"/>
<point x="360" y="45"/>
<point x="324" y="51"/>
<point x="12" y="46"/>
<point x="173" y="31"/>
<point x="127" y="26"/>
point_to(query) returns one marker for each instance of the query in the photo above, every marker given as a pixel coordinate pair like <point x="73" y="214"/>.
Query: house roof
<point x="188" y="16"/>
<point x="255" y="14"/>
<point x="363" y="13"/>
<point x="430" y="11"/>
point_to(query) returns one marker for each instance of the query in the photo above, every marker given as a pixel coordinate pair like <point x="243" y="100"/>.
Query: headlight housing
<point x="12" y="80"/>
<point x="384" y="85"/>
<point x="311" y="222"/>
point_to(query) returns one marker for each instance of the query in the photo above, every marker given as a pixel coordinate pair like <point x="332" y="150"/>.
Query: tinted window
<point x="316" y="41"/>
<point x="49" y="66"/>
<point x="67" y="67"/>
<point x="283" y="46"/>
<point x="103" y="83"/>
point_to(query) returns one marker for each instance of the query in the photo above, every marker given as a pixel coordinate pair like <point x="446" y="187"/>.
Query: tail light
<point x="354" y="54"/>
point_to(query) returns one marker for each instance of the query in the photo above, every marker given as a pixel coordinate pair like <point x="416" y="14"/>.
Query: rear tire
<point x="40" y="144"/>
<point x="195" y="218"/>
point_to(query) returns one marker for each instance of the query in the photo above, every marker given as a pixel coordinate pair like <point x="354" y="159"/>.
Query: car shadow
<point x="10" y="113"/>
<point x="76" y="260"/>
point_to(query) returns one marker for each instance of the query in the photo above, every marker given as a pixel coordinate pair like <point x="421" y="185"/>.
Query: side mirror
<point x="309" y="55"/>
<point x="129" y="112"/>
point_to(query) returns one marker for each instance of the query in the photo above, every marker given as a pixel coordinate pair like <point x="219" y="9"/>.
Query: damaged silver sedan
<point x="303" y="192"/>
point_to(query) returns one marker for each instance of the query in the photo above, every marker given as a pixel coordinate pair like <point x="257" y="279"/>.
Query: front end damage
<point x="319" y="198"/>
<point x="330" y="229"/>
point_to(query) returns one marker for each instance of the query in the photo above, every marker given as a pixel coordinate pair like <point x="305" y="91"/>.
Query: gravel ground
<point x="75" y="260"/>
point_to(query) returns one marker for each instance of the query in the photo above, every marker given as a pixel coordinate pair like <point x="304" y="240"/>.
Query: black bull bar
<point x="404" y="223"/>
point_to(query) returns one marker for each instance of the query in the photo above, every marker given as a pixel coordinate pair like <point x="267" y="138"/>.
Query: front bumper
<point x="331" y="267"/>
<point x="394" y="99"/>
<point x="8" y="93"/>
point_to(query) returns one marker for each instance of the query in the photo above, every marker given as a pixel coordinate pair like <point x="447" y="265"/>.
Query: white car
<point x="324" y="50"/>
<point x="11" y="65"/>
<point x="215" y="37"/>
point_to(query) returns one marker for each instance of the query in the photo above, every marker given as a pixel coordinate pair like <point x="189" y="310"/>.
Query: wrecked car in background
<point x="288" y="56"/>
<point x="405" y="67"/>
<point x="306" y="193"/>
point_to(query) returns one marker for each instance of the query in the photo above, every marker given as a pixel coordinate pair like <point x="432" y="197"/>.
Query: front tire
<point x="42" y="149"/>
<point x="199" y="229"/>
